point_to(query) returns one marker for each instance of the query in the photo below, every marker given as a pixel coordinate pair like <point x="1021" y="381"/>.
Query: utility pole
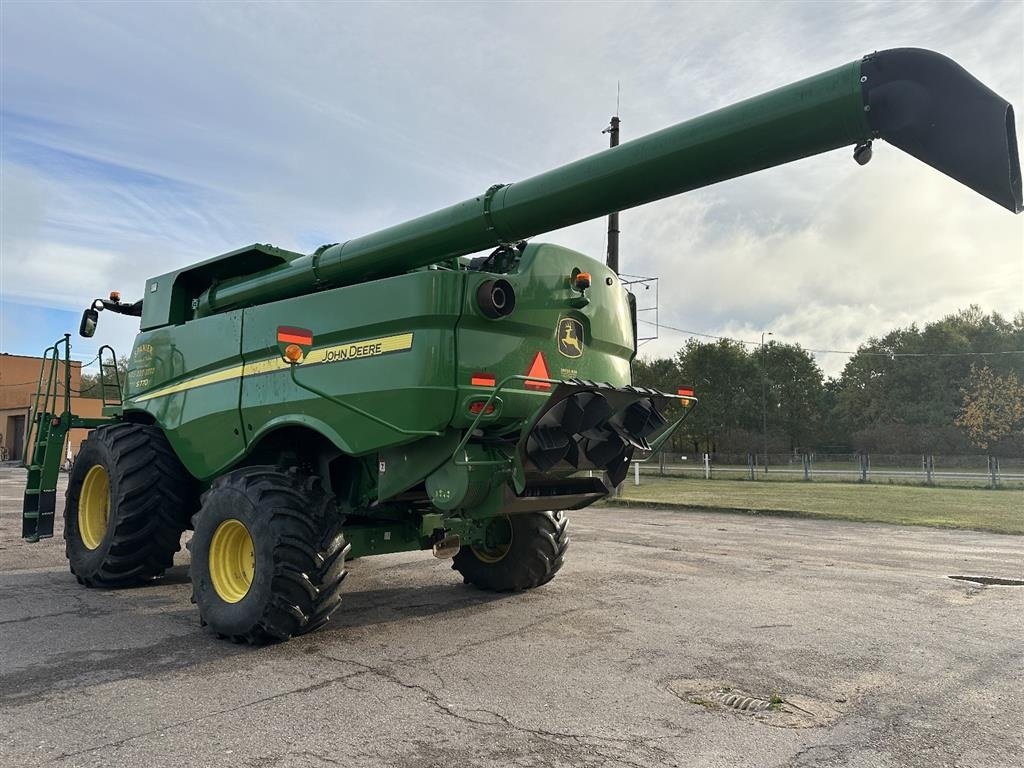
<point x="764" y="403"/>
<point x="613" y="218"/>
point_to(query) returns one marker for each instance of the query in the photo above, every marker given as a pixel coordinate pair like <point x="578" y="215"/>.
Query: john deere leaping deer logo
<point x="570" y="337"/>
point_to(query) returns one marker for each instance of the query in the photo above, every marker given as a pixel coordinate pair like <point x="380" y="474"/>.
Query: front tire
<point x="268" y="555"/>
<point x="519" y="552"/>
<point x="127" y="503"/>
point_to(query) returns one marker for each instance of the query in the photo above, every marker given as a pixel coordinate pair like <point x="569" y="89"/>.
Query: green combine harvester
<point x="389" y="393"/>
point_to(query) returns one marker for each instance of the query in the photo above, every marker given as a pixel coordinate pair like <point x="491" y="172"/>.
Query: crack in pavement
<point x="501" y="720"/>
<point x="315" y="755"/>
<point x="189" y="721"/>
<point x="519" y="629"/>
<point x="813" y="755"/>
<point x="83" y="611"/>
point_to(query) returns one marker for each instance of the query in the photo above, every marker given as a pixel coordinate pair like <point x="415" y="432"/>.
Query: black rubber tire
<point x="535" y="554"/>
<point x="152" y="497"/>
<point x="299" y="551"/>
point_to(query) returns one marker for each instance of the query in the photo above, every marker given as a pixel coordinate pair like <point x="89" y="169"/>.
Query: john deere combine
<point x="388" y="393"/>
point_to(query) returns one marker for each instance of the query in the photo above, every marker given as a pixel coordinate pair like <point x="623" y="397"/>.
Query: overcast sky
<point x="137" y="138"/>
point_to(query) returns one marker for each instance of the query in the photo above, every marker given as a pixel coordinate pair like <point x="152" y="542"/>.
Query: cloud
<point x="141" y="137"/>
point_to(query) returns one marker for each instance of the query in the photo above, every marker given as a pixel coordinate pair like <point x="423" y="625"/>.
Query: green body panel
<point x="401" y="467"/>
<point x="411" y="388"/>
<point x="168" y="298"/>
<point x="202" y="422"/>
<point x="227" y="401"/>
<point x="543" y="297"/>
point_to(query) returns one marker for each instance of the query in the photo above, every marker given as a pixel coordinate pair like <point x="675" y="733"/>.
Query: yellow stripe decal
<point x="355" y="351"/>
<point x="360" y="349"/>
<point x="199" y="381"/>
<point x="269" y="365"/>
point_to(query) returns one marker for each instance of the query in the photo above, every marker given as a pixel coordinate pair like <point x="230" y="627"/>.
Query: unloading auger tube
<point x="918" y="100"/>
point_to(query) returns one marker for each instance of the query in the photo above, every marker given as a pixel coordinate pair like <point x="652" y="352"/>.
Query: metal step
<point x="37" y="514"/>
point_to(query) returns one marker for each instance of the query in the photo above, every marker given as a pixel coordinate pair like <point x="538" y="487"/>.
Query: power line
<point x="836" y="351"/>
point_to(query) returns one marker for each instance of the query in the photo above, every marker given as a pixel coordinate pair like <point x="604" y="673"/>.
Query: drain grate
<point x="735" y="700"/>
<point x="724" y="698"/>
<point x="996" y="580"/>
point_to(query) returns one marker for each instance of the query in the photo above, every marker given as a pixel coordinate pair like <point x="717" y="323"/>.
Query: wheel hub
<point x="94" y="506"/>
<point x="497" y="541"/>
<point x="232" y="561"/>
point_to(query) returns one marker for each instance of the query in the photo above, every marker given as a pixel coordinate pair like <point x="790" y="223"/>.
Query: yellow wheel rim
<point x="498" y="541"/>
<point x="94" y="506"/>
<point x="232" y="560"/>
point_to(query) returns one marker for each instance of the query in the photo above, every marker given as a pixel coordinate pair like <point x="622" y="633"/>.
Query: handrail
<point x="483" y="411"/>
<point x="34" y="410"/>
<point x="117" y="376"/>
<point x="360" y="411"/>
<point x="49" y="397"/>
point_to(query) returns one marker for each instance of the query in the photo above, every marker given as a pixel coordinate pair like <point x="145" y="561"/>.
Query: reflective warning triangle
<point x="538" y="368"/>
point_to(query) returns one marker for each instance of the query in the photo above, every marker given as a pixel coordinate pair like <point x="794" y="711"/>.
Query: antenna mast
<point x="612" y="130"/>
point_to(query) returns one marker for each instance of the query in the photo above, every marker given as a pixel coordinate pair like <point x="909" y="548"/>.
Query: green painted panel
<point x="168" y="298"/>
<point x="197" y="366"/>
<point x="410" y="387"/>
<point x="404" y="466"/>
<point x="508" y="346"/>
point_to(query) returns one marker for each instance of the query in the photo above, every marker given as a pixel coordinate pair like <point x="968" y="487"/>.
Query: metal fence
<point x="928" y="469"/>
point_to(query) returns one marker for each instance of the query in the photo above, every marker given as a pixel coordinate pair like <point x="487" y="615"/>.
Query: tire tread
<point x="151" y="507"/>
<point x="309" y="550"/>
<point x="527" y="566"/>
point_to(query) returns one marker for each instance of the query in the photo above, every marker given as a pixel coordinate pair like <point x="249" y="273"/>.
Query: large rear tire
<point x="127" y="503"/>
<point x="268" y="555"/>
<point x="520" y="552"/>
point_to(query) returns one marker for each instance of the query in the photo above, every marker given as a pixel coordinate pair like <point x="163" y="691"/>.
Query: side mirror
<point x="88" y="326"/>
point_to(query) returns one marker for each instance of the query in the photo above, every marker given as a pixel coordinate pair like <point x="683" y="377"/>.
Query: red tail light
<point x="288" y="335"/>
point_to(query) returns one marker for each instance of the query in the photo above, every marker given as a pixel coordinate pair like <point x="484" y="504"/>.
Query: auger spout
<point x="918" y="100"/>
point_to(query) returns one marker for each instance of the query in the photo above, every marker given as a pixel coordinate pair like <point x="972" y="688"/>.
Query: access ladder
<point x="50" y="421"/>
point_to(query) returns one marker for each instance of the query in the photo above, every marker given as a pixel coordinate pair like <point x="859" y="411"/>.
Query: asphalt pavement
<point x="669" y="639"/>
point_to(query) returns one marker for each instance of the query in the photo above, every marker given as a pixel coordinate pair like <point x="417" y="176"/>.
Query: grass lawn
<point x="1000" y="511"/>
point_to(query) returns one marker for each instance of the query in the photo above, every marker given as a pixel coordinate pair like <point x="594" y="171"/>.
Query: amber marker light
<point x="293" y="353"/>
<point x="582" y="281"/>
<point x="115" y="296"/>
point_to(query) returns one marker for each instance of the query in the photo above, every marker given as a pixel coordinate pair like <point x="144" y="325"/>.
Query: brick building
<point x="19" y="375"/>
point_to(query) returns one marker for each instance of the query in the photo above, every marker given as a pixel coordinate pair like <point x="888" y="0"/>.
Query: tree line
<point x="914" y="390"/>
